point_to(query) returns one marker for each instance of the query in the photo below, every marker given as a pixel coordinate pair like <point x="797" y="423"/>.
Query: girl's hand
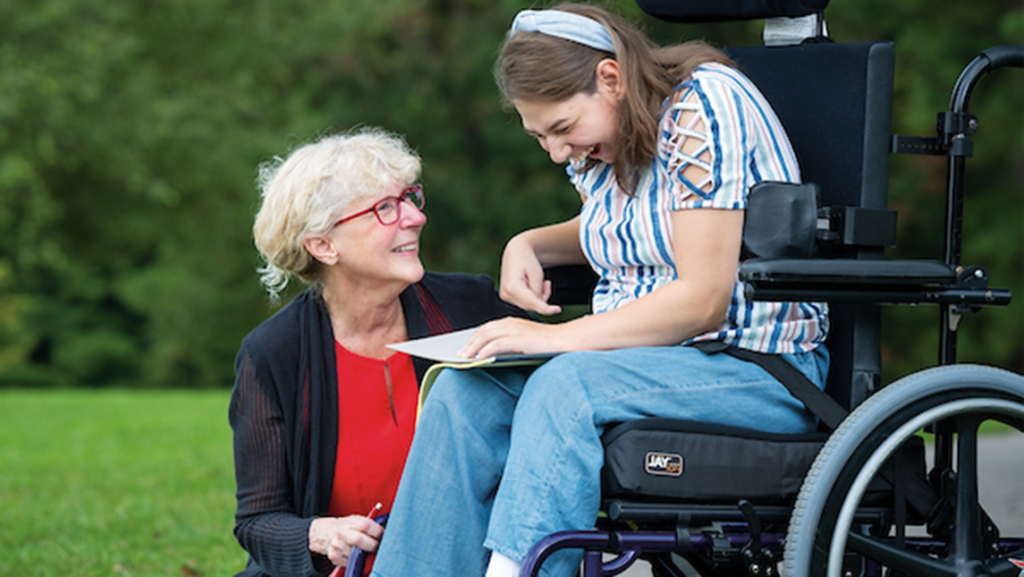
<point x="513" y="335"/>
<point x="335" y="536"/>
<point x="522" y="278"/>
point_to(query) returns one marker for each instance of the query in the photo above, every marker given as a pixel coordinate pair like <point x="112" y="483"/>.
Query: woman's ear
<point x="321" y="248"/>
<point x="609" y="78"/>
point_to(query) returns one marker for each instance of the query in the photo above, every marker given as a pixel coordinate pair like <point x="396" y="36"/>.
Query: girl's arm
<point x="525" y="255"/>
<point x="707" y="249"/>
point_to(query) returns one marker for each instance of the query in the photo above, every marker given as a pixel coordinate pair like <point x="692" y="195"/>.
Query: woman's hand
<point x="522" y="278"/>
<point x="513" y="335"/>
<point x="336" y="536"/>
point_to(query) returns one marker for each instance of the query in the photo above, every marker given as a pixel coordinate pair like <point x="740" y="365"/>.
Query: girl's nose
<point x="557" y="150"/>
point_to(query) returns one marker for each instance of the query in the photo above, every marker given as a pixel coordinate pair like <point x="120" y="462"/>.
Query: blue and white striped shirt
<point x="628" y="239"/>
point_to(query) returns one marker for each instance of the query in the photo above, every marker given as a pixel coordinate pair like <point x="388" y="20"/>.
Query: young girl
<point x="663" y="146"/>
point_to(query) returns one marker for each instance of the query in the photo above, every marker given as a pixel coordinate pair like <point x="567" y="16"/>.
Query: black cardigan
<point x="284" y="415"/>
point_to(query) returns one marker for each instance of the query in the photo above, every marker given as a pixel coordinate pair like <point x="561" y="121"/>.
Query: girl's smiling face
<point x="584" y="125"/>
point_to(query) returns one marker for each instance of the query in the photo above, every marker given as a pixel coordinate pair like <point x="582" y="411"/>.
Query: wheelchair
<point x="866" y="495"/>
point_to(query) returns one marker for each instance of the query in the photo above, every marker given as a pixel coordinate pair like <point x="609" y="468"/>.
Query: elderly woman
<point x="322" y="412"/>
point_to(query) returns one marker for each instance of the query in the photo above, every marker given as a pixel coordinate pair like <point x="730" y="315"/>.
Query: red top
<point x="372" y="441"/>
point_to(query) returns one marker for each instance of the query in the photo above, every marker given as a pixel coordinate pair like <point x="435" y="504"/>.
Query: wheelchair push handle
<point x="1003" y="56"/>
<point x="1007" y="55"/>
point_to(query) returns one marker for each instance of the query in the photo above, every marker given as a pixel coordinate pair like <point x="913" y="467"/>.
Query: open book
<point x="445" y="350"/>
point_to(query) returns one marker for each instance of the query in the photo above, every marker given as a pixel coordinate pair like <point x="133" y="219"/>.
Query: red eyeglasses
<point x="387" y="210"/>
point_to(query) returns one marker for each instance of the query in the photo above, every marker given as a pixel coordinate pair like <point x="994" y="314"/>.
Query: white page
<point x="442" y="348"/>
<point x="445" y="349"/>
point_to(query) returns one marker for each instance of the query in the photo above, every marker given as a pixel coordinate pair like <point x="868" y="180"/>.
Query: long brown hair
<point x="536" y="67"/>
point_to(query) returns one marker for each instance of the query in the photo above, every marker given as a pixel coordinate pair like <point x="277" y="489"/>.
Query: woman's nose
<point x="411" y="216"/>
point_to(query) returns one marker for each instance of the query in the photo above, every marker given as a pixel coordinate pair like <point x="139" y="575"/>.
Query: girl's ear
<point x="609" y="78"/>
<point x="321" y="248"/>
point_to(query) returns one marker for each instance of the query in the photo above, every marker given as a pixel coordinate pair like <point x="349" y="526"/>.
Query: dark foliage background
<point x="130" y="133"/>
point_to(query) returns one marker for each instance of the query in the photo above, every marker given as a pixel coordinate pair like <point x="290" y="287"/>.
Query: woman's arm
<point x="524" y="258"/>
<point x="266" y="524"/>
<point x="706" y="247"/>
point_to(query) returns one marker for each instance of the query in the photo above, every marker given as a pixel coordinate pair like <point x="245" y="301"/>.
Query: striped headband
<point x="565" y="25"/>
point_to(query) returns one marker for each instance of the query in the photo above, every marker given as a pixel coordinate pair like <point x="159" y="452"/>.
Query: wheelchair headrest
<point x="722" y="10"/>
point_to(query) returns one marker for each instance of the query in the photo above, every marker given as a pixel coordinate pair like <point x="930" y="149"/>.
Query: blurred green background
<point x="130" y="133"/>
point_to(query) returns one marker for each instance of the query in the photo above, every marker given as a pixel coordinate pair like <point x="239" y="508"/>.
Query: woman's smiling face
<point x="388" y="252"/>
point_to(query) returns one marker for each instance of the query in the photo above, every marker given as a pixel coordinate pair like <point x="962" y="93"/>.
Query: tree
<point x="130" y="133"/>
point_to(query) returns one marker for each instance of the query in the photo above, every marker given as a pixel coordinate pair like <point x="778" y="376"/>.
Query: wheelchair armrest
<point x="846" y="271"/>
<point x="833" y="280"/>
<point x="868" y="281"/>
<point x="571" y="284"/>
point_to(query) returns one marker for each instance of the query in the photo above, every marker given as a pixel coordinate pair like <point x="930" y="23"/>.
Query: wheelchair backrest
<point x="835" y="100"/>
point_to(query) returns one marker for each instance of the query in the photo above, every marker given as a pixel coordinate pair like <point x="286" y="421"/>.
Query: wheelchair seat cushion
<point x="665" y="459"/>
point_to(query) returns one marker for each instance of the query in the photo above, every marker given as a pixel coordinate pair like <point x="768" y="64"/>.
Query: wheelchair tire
<point x="821" y="523"/>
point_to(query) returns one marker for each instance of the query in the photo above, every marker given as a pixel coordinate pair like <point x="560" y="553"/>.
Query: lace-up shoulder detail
<point x="687" y="143"/>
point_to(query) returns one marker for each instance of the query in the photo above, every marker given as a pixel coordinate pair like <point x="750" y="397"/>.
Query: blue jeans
<point x="504" y="457"/>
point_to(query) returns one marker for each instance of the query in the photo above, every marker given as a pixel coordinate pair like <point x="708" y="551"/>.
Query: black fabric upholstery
<point x="717" y="463"/>
<point x="835" y="101"/>
<point x="722" y="10"/>
<point x="720" y="464"/>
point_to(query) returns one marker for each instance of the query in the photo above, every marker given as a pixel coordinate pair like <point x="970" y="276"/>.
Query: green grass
<point x="116" y="483"/>
<point x="119" y="483"/>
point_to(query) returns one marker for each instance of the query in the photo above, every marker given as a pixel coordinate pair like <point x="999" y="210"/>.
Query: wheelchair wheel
<point x="822" y="536"/>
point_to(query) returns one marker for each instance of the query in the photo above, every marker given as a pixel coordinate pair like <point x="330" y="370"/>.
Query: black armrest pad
<point x="847" y="272"/>
<point x="571" y="284"/>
